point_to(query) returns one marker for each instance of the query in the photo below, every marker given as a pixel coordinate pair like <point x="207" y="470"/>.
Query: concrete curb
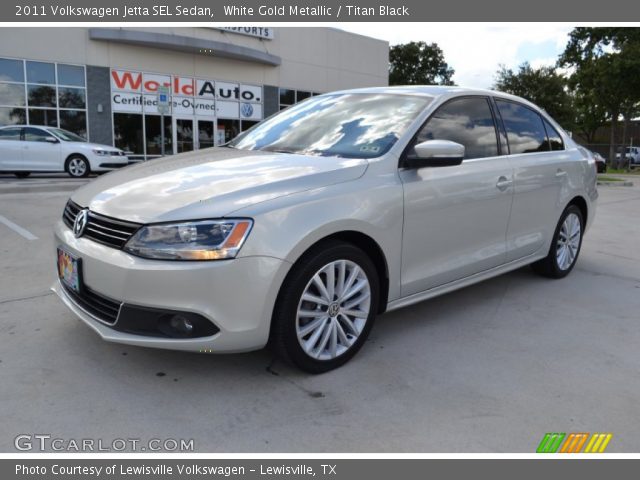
<point x="615" y="184"/>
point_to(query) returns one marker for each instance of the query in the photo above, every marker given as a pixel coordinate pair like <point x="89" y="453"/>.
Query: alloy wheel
<point x="77" y="167"/>
<point x="333" y="310"/>
<point x="568" y="242"/>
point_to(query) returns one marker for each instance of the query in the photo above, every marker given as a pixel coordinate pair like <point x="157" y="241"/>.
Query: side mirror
<point x="51" y="140"/>
<point x="435" y="153"/>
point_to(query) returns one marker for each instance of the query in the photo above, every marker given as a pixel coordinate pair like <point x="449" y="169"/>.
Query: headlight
<point x="101" y="153"/>
<point x="202" y="240"/>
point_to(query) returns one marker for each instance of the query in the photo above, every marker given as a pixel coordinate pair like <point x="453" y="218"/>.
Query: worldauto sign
<point x="136" y="92"/>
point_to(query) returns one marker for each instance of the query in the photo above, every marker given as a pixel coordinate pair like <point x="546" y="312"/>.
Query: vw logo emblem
<point x="246" y="109"/>
<point x="80" y="223"/>
<point x="333" y="310"/>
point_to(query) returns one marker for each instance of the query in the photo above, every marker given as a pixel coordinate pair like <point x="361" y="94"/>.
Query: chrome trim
<point x="69" y="300"/>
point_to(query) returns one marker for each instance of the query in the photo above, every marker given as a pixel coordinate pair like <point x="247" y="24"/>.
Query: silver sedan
<point x="303" y="229"/>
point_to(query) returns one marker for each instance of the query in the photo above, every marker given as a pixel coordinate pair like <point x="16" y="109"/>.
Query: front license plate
<point x="69" y="270"/>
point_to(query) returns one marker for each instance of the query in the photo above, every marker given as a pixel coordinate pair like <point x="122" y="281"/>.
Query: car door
<point x="10" y="149"/>
<point x="41" y="151"/>
<point x="541" y="168"/>
<point x="455" y="217"/>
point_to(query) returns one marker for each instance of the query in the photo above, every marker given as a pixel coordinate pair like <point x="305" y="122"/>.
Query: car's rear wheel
<point x="77" y="166"/>
<point x="22" y="174"/>
<point x="326" y="307"/>
<point x="565" y="247"/>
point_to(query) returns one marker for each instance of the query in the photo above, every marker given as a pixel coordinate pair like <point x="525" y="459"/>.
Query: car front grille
<point x="103" y="308"/>
<point x="106" y="230"/>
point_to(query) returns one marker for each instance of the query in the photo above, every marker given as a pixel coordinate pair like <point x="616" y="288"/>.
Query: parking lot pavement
<point x="40" y="183"/>
<point x="490" y="368"/>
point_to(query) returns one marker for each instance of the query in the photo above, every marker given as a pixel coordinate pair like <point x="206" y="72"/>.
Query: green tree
<point x="606" y="64"/>
<point x="418" y="63"/>
<point x="590" y="113"/>
<point x="542" y="86"/>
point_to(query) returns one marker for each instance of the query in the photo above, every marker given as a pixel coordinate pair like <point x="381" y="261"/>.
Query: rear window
<point x="555" y="140"/>
<point x="525" y="128"/>
<point x="10" y="134"/>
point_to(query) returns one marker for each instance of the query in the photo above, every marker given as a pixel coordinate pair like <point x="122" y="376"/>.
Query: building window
<point x="54" y="94"/>
<point x="247" y="124"/>
<point x="41" y="72"/>
<point x="154" y="135"/>
<point x="71" y="97"/>
<point x="301" y="95"/>
<point x="41" y="116"/>
<point x="128" y="133"/>
<point x="75" y="121"/>
<point x="12" y="94"/>
<point x="287" y="97"/>
<point x="11" y="70"/>
<point x="290" y="97"/>
<point x="72" y="75"/>
<point x="227" y="130"/>
<point x="41" y="96"/>
<point x="12" y="116"/>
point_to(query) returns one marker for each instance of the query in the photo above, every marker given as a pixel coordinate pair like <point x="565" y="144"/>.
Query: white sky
<point x="475" y="50"/>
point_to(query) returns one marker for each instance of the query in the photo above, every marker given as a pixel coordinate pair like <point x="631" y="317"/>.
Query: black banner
<point x="255" y="11"/>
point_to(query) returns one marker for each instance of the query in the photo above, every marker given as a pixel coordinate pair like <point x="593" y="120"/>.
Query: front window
<point x="35" y="135"/>
<point x="65" y="135"/>
<point x="352" y="125"/>
<point x="467" y="121"/>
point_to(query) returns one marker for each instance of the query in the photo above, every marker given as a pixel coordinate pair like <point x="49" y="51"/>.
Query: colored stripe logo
<point x="574" y="443"/>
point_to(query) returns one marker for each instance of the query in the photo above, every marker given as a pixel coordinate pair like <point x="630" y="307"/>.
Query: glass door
<point x="183" y="131"/>
<point x="206" y="129"/>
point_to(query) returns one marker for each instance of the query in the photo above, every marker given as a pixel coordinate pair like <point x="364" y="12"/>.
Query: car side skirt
<point x="465" y="282"/>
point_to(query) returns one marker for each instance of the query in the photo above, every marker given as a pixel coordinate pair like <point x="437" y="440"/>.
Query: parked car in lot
<point x="303" y="229"/>
<point x="601" y="163"/>
<point x="27" y="148"/>
<point x="632" y="154"/>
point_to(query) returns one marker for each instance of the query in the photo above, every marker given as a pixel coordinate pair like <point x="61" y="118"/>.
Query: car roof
<point x="21" y="126"/>
<point x="435" y="91"/>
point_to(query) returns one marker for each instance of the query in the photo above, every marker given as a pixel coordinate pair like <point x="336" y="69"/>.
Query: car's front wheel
<point x="565" y="247"/>
<point x="77" y="166"/>
<point x="326" y="307"/>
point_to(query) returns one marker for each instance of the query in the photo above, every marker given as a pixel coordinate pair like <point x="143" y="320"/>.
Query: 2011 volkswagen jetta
<point x="304" y="228"/>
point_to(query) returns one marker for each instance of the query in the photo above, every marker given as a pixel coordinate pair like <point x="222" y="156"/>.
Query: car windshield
<point x="352" y="125"/>
<point x="66" y="135"/>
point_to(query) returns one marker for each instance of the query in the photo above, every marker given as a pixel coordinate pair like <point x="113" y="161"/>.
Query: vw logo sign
<point x="246" y="109"/>
<point x="80" y="223"/>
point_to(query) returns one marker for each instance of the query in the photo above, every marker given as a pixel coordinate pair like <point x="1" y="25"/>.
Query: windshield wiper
<point x="281" y="150"/>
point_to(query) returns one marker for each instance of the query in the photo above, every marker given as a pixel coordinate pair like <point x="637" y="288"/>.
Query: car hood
<point x="209" y="183"/>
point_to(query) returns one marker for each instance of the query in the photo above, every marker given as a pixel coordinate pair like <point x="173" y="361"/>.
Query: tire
<point x="337" y="335"/>
<point x="22" y="174"/>
<point x="77" y="166"/>
<point x="558" y="264"/>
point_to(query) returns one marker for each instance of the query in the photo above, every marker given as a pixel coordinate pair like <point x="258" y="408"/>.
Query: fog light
<point x="181" y="324"/>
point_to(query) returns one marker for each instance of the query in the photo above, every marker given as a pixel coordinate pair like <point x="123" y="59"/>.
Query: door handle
<point x="560" y="173"/>
<point x="503" y="183"/>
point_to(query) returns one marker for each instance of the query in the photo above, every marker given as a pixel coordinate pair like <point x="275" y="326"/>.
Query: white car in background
<point x="632" y="154"/>
<point x="28" y="148"/>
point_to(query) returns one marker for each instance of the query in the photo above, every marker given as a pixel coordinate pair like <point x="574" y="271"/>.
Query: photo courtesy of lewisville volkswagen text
<point x="329" y="249"/>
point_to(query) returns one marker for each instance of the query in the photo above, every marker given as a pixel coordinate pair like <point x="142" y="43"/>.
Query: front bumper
<point x="237" y="295"/>
<point x="107" y="162"/>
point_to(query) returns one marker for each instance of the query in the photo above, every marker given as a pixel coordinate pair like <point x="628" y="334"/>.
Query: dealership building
<point x="110" y="85"/>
